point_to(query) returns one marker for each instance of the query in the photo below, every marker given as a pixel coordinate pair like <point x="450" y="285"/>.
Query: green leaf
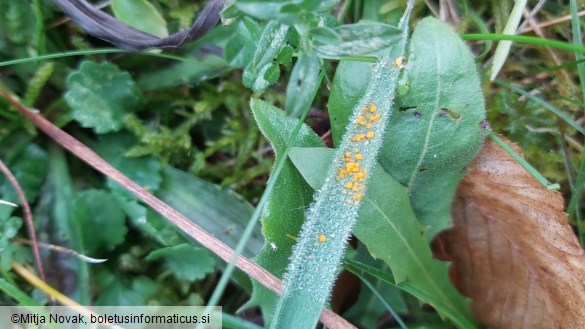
<point x="368" y="309"/>
<point x="67" y="229"/>
<point x="149" y="222"/>
<point x="198" y="65"/>
<point x="271" y="42"/>
<point x="8" y="229"/>
<point x="285" y="210"/>
<point x="116" y="290"/>
<point x="100" y="95"/>
<point x="503" y="47"/>
<point x="349" y="85"/>
<point x="239" y="51"/>
<point x="319" y="252"/>
<point x="303" y="84"/>
<point x="437" y="125"/>
<point x="185" y="261"/>
<point x="221" y="213"/>
<point x="388" y="227"/>
<point x="287" y="12"/>
<point x="101" y="219"/>
<point x="354" y="39"/>
<point x="29" y="167"/>
<point x="141" y="15"/>
<point x="17" y="22"/>
<point x="146" y="171"/>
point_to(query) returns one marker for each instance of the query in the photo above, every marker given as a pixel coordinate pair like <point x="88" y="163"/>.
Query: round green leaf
<point x="100" y="95"/>
<point x="102" y="220"/>
<point x="185" y="261"/>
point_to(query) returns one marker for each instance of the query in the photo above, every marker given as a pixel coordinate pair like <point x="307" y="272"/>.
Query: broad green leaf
<point x="388" y="227"/>
<point x="354" y="39"/>
<point x="239" y="51"/>
<point x="100" y="95"/>
<point x="67" y="229"/>
<point x="436" y="127"/>
<point x="303" y="84"/>
<point x="185" y="261"/>
<point x="141" y="15"/>
<point x="146" y="171"/>
<point x="285" y="211"/>
<point x="261" y="72"/>
<point x="220" y="212"/>
<point x="98" y="212"/>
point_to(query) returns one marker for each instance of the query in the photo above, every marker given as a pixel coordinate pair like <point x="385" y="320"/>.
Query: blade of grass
<point x="526" y="39"/>
<point x="382" y="300"/>
<point x="541" y="179"/>
<point x="573" y="207"/>
<point x="366" y="59"/>
<point x="503" y="48"/>
<point x="317" y="255"/>
<point x="92" y="52"/>
<point x="576" y="27"/>
<point x="576" y="192"/>
<point x="40" y="27"/>
<point x="358" y="268"/>
<point x="12" y="291"/>
<point x="559" y="67"/>
<point x="483" y="29"/>
<point x="544" y="104"/>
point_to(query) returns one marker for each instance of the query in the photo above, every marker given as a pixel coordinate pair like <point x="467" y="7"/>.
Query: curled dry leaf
<point x="512" y="249"/>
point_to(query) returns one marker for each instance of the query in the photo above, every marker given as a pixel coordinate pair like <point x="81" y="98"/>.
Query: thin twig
<point x="555" y="58"/>
<point x="27" y="219"/>
<point x="551" y="22"/>
<point x="528" y="16"/>
<point x="64" y="250"/>
<point x="267" y="279"/>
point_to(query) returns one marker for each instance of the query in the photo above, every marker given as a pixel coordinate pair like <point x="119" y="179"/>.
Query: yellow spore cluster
<point x="351" y="174"/>
<point x="399" y="62"/>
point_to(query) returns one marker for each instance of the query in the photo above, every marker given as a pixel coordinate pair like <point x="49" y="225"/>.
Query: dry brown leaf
<point x="512" y="249"/>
